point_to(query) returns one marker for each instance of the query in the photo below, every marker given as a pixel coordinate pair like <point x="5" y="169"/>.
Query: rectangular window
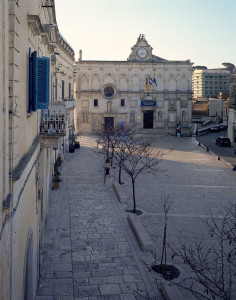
<point x="122" y="102"/>
<point x="39" y="82"/>
<point x="95" y="102"/>
<point x="69" y="90"/>
<point x="56" y="88"/>
<point x="62" y="89"/>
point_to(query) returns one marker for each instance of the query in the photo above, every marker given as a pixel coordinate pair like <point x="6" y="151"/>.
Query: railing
<point x="54" y="120"/>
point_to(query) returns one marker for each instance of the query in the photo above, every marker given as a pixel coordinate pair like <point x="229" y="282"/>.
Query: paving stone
<point x="109" y="289"/>
<point x="87" y="251"/>
<point x="86" y="291"/>
<point x="63" y="267"/>
<point x="127" y="297"/>
<point x="97" y="280"/>
<point x="63" y="290"/>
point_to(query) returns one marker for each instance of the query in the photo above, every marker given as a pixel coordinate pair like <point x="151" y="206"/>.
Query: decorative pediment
<point x="142" y="51"/>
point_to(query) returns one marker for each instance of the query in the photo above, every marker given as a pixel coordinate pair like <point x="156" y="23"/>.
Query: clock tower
<point x="142" y="51"/>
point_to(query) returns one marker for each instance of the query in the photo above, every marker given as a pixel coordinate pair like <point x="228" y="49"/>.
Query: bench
<point x="142" y="236"/>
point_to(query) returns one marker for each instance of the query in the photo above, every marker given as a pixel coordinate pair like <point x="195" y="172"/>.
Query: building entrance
<point x="109" y="123"/>
<point x="148" y="119"/>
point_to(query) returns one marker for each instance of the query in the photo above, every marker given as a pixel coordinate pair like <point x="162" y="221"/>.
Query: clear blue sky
<point x="200" y="30"/>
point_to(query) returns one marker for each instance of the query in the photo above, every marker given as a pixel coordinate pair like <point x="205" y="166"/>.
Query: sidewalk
<point x="89" y="251"/>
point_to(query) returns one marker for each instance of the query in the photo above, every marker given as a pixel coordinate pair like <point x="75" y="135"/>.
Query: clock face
<point x="142" y="53"/>
<point x="108" y="91"/>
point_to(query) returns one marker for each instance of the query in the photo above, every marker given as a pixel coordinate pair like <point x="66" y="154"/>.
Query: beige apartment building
<point x="210" y="83"/>
<point x="36" y="124"/>
<point x="145" y="91"/>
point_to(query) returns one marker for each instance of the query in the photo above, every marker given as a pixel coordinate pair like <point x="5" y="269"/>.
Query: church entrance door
<point x="109" y="123"/>
<point x="148" y="119"/>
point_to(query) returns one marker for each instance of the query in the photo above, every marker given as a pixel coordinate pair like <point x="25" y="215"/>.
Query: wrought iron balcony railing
<point x="54" y="120"/>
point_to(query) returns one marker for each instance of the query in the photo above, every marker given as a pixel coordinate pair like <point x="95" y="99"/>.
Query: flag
<point x="154" y="81"/>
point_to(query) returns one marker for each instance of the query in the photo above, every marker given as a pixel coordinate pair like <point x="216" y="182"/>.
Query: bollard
<point x="107" y="171"/>
<point x="218" y="157"/>
<point x="234" y="168"/>
<point x="199" y="144"/>
<point x="207" y="149"/>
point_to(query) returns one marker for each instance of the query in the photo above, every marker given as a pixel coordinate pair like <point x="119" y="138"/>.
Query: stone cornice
<point x="34" y="20"/>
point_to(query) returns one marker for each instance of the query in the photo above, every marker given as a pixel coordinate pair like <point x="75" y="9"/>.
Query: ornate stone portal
<point x="146" y="90"/>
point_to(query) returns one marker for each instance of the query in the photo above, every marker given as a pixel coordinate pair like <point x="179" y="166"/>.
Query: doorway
<point x="109" y="123"/>
<point x="148" y="119"/>
<point x="28" y="269"/>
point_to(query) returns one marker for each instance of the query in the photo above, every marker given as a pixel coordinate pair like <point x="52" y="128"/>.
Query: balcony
<point x="53" y="124"/>
<point x="70" y="103"/>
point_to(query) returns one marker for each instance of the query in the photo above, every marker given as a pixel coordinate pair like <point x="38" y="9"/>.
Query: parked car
<point x="223" y="126"/>
<point x="223" y="141"/>
<point x="215" y="128"/>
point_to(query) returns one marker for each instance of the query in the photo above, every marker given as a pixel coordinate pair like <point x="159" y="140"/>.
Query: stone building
<point x="145" y="91"/>
<point x="36" y="62"/>
<point x="232" y="110"/>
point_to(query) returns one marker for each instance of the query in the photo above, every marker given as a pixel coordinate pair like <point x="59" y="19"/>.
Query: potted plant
<point x="59" y="159"/>
<point x="56" y="175"/>
<point x="77" y="144"/>
<point x="55" y="166"/>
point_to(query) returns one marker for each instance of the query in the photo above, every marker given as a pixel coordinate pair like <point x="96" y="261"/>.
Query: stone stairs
<point x="149" y="134"/>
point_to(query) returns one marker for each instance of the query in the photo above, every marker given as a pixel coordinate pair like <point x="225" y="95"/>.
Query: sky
<point x="200" y="30"/>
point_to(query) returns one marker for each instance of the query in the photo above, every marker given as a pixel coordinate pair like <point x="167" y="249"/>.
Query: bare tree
<point x="140" y="160"/>
<point x="121" y="154"/>
<point x="166" y="204"/>
<point x="211" y="267"/>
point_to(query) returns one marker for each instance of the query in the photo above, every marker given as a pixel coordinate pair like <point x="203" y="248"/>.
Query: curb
<point x="141" y="234"/>
<point x="211" y="152"/>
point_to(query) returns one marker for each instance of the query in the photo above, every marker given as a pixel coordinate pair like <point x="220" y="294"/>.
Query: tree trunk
<point x="134" y="200"/>
<point x="112" y="154"/>
<point x="163" y="248"/>
<point x="119" y="174"/>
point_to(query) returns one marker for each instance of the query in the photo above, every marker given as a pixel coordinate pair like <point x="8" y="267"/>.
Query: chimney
<point x="80" y="55"/>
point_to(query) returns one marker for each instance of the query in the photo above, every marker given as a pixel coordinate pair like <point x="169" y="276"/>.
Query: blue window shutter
<point x="43" y="81"/>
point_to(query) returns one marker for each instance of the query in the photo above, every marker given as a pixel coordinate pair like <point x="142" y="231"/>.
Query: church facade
<point x="145" y="91"/>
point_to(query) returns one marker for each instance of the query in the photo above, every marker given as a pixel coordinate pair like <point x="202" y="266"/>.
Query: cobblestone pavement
<point x="194" y="180"/>
<point x="89" y="251"/>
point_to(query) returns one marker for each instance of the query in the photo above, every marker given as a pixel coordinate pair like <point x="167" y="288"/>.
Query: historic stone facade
<point x="30" y="127"/>
<point x="144" y="91"/>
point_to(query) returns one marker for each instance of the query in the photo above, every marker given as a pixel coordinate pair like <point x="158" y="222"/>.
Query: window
<point x="56" y="88"/>
<point x="39" y="80"/>
<point x="122" y="102"/>
<point x="69" y="90"/>
<point x="95" y="102"/>
<point x="62" y="89"/>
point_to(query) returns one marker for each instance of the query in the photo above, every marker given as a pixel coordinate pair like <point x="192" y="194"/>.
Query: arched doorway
<point x="28" y="268"/>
